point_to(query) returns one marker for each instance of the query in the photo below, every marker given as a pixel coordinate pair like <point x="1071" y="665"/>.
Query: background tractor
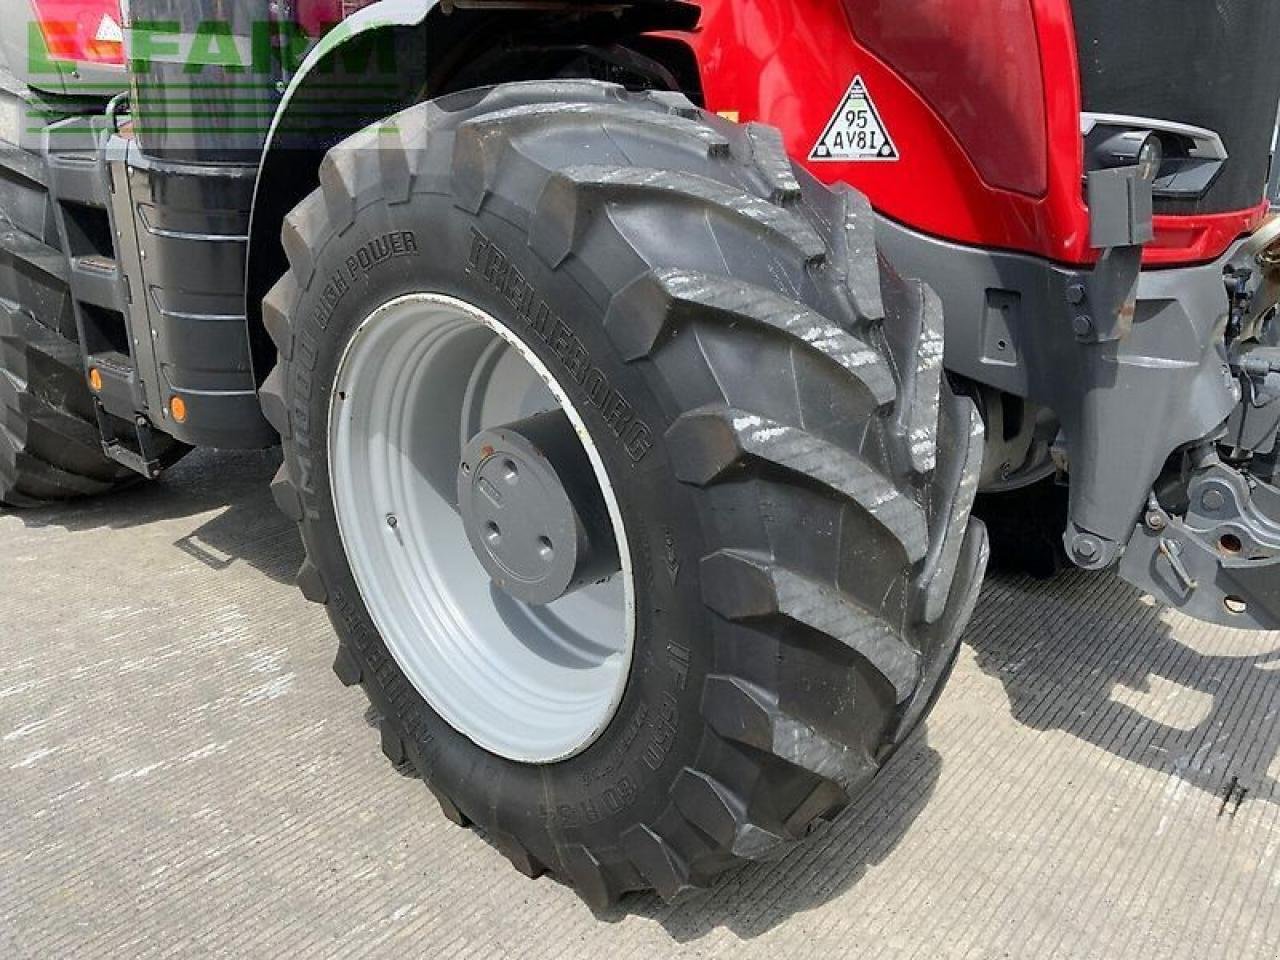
<point x="638" y="365"/>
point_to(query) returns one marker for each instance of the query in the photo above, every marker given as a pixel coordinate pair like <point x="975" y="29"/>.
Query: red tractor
<point x="638" y="365"/>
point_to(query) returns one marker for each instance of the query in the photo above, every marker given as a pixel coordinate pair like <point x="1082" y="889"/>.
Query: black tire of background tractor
<point x="804" y="559"/>
<point x="50" y="446"/>
<point x="1026" y="527"/>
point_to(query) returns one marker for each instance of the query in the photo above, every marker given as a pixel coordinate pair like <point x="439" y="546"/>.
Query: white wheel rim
<point x="420" y="376"/>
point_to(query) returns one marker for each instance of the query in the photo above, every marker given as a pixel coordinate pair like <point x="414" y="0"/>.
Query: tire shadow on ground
<point x="246" y="527"/>
<point x="1089" y="655"/>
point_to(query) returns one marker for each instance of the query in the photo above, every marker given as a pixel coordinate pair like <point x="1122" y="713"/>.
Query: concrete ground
<point x="181" y="774"/>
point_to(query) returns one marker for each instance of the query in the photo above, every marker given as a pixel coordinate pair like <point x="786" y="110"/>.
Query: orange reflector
<point x="95" y="380"/>
<point x="178" y="409"/>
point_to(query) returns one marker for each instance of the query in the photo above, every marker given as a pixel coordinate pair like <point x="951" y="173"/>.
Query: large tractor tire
<point x="50" y="445"/>
<point x="752" y="403"/>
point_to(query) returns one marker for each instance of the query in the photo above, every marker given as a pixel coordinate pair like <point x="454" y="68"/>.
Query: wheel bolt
<point x="1086" y="548"/>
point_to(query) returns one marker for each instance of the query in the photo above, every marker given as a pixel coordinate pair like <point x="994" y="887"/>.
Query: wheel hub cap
<point x="532" y="509"/>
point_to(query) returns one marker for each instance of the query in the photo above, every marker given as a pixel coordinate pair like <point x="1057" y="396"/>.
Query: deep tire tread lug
<point x="449" y="809"/>
<point x="311" y="583"/>
<point x="668" y="298"/>
<point x="560" y="215"/>
<point x="398" y="163"/>
<point x="746" y="713"/>
<point x="482" y="141"/>
<point x="707" y="444"/>
<point x="391" y="743"/>
<point x="715" y="810"/>
<point x="346" y="667"/>
<point x="913" y="329"/>
<point x="658" y="862"/>
<point x="858" y="256"/>
<point x="520" y="858"/>
<point x="274" y="407"/>
<point x="589" y="876"/>
<point x="301" y="233"/>
<point x="971" y="565"/>
<point x="740" y="586"/>
<point x="770" y="156"/>
<point x="285" y="494"/>
<point x="963" y="432"/>
<point x="276" y="310"/>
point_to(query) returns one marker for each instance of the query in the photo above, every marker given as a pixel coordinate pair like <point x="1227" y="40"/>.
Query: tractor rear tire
<point x="793" y="471"/>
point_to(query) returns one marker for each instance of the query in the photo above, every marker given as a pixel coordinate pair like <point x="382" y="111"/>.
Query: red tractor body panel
<point x="986" y="123"/>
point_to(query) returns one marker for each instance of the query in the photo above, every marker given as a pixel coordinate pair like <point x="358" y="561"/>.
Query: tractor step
<point x="95" y="279"/>
<point x="114" y="382"/>
<point x="71" y="156"/>
<point x="138" y="446"/>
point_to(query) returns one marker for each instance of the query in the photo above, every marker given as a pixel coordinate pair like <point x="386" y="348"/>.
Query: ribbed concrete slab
<point x="181" y="775"/>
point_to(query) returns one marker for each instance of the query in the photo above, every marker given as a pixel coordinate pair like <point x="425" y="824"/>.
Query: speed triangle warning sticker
<point x="855" y="131"/>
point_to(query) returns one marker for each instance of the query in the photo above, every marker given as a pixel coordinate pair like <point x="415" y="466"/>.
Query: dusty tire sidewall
<point x="623" y="777"/>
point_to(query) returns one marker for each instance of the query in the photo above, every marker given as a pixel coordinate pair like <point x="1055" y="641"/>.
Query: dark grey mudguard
<point x="1125" y="406"/>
